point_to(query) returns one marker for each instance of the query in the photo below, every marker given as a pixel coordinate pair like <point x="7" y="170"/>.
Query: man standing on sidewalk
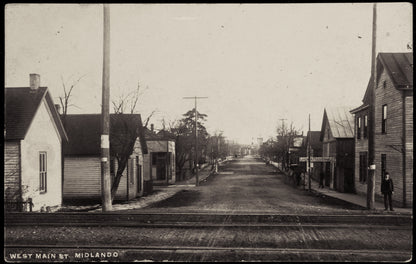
<point x="321" y="180"/>
<point x="387" y="189"/>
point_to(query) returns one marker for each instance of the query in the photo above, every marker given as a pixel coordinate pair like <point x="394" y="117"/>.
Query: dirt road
<point x="248" y="185"/>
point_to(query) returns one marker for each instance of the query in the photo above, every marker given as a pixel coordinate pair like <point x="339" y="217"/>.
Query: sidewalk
<point x="160" y="193"/>
<point x="352" y="198"/>
<point x="203" y="174"/>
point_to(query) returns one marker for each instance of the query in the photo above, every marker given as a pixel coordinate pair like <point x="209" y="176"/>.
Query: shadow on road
<point x="182" y="198"/>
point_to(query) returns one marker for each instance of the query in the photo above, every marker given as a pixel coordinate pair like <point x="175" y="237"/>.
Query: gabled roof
<point x="166" y="135"/>
<point x="150" y="135"/>
<point x="22" y="104"/>
<point x="340" y="122"/>
<point x="315" y="139"/>
<point x="399" y="67"/>
<point x="161" y="135"/>
<point x="84" y="132"/>
<point x="366" y="99"/>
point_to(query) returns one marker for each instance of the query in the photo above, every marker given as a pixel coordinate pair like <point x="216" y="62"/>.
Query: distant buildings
<point x="337" y="136"/>
<point x="160" y="159"/>
<point x="313" y="139"/>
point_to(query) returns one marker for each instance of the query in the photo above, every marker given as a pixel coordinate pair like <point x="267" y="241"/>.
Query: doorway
<point x="138" y="175"/>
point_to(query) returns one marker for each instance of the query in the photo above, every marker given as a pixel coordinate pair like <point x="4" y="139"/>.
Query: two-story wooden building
<point x="337" y="137"/>
<point x="393" y="133"/>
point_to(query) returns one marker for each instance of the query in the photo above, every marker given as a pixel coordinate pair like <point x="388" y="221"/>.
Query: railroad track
<point x="193" y="225"/>
<point x="213" y="227"/>
<point x="174" y="253"/>
<point x="202" y="219"/>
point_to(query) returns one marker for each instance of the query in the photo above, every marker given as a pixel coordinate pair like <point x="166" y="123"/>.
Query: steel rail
<point x="201" y="248"/>
<point x="204" y="225"/>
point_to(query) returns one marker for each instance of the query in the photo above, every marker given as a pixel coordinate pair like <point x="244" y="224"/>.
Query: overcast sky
<point x="256" y="63"/>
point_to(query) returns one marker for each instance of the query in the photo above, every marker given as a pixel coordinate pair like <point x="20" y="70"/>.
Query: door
<point x="161" y="166"/>
<point x="138" y="175"/>
<point x="335" y="175"/>
<point x="327" y="173"/>
<point x="363" y="167"/>
<point x="349" y="180"/>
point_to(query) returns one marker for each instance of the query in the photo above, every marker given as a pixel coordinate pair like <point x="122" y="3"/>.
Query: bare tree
<point x="124" y="132"/>
<point x="127" y="103"/>
<point x="65" y="99"/>
<point x="285" y="140"/>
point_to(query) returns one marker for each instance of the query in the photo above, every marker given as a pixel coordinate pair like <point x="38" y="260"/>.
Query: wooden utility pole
<point x="283" y="134"/>
<point x="105" y="117"/>
<point x="371" y="125"/>
<point x="309" y="154"/>
<point x="196" y="138"/>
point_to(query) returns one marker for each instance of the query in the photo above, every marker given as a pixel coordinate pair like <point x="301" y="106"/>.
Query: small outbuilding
<point x="160" y="160"/>
<point x="82" y="164"/>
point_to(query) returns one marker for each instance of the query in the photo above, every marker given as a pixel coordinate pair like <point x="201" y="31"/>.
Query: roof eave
<point x="35" y="112"/>
<point x="358" y="109"/>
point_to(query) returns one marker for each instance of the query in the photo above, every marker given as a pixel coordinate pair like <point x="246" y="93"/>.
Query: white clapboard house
<point x="32" y="149"/>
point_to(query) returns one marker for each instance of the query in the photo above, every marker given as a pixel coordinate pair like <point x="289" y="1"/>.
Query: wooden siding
<point x="345" y="165"/>
<point x="127" y="188"/>
<point x="409" y="148"/>
<point x="361" y="145"/>
<point x="138" y="152"/>
<point x="121" y="193"/>
<point x="42" y="136"/>
<point x="391" y="143"/>
<point x="328" y="150"/>
<point x="11" y="170"/>
<point x="82" y="178"/>
<point x="341" y="172"/>
<point x="158" y="146"/>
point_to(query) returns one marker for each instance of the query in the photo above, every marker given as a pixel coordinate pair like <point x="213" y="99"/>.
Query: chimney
<point x="34" y="81"/>
<point x="152" y="127"/>
<point x="58" y="108"/>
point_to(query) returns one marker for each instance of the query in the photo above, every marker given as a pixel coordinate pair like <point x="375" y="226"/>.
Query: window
<point x="383" y="165"/>
<point x="358" y="127"/>
<point x="43" y="171"/>
<point x="365" y="126"/>
<point x="384" y="119"/>
<point x="384" y="84"/>
<point x="363" y="167"/>
<point x="131" y="170"/>
<point x="154" y="158"/>
<point x="112" y="168"/>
